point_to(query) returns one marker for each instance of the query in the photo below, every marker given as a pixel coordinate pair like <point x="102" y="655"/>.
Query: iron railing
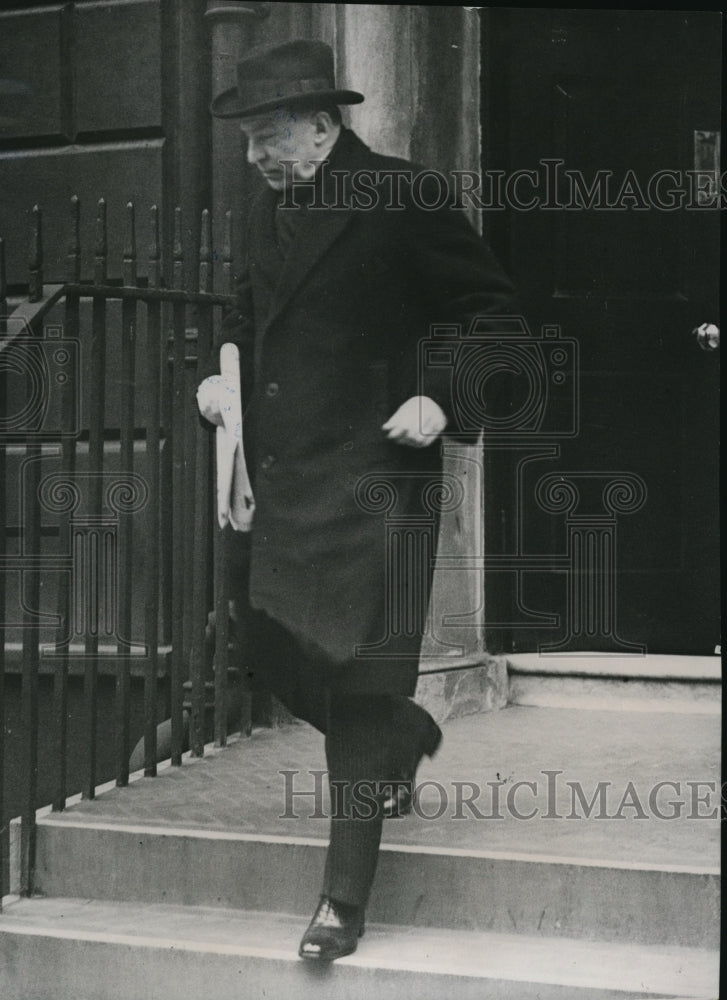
<point x="78" y="522"/>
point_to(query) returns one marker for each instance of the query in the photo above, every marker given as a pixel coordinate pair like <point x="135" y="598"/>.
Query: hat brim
<point x="228" y="104"/>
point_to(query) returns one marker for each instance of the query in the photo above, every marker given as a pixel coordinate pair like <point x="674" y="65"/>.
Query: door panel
<point x="117" y="171"/>
<point x="34" y="93"/>
<point x="121" y="90"/>
<point x="81" y="113"/>
<point x="620" y="92"/>
<point x="74" y="74"/>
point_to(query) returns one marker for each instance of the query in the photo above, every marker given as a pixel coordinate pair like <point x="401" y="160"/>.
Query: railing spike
<point x="101" y="243"/>
<point x="205" y="253"/>
<point x="205" y="248"/>
<point x="177" y="250"/>
<point x="154" y="250"/>
<point x="35" y="290"/>
<point x="76" y="224"/>
<point x="227" y="244"/>
<point x="129" y="269"/>
<point x="74" y="250"/>
<point x="101" y="240"/>
<point x="130" y="248"/>
<point x="228" y="280"/>
<point x="154" y="245"/>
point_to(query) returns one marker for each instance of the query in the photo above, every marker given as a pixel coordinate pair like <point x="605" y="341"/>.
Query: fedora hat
<point x="292" y="75"/>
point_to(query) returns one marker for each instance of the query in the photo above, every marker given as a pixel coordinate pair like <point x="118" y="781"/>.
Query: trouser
<point x="368" y="735"/>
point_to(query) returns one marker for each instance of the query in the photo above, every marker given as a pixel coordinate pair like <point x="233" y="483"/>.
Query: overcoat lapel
<point x="268" y="259"/>
<point x="320" y="228"/>
<point x="317" y="232"/>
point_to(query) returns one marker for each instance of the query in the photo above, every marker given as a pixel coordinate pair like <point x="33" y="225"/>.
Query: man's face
<point x="283" y="135"/>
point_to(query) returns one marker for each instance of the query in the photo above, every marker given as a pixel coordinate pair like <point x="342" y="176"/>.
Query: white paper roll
<point x="235" y="501"/>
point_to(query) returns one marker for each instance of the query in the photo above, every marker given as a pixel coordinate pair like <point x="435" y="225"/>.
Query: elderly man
<point x="345" y="273"/>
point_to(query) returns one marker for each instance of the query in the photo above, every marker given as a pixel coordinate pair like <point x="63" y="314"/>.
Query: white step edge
<point x="631" y="969"/>
<point x="452" y="852"/>
<point x="536" y="697"/>
<point x="653" y="666"/>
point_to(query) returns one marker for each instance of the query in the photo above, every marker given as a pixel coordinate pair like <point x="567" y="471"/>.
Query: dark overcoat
<point x="330" y="339"/>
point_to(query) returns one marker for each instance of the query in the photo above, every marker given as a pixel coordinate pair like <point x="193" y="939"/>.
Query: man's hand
<point x="213" y="397"/>
<point x="417" y="422"/>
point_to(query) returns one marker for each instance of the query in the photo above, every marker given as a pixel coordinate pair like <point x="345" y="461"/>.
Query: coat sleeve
<point x="458" y="280"/>
<point x="237" y="327"/>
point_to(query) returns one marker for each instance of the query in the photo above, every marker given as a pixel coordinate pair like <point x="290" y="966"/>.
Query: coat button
<point x="272" y="389"/>
<point x="268" y="462"/>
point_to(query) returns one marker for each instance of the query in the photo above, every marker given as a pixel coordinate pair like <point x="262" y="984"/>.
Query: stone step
<point x="600" y="681"/>
<point x="417" y="885"/>
<point x="90" y="950"/>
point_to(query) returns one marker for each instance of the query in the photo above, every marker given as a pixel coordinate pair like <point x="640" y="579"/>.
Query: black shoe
<point x="399" y="802"/>
<point x="333" y="932"/>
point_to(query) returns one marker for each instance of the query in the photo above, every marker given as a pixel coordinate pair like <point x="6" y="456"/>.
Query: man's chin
<point x="275" y="181"/>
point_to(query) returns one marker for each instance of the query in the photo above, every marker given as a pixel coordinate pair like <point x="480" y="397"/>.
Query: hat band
<point x="266" y="89"/>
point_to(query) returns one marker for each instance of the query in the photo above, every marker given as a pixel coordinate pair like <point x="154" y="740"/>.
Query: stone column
<point x="234" y="27"/>
<point x="418" y="68"/>
<point x="374" y="48"/>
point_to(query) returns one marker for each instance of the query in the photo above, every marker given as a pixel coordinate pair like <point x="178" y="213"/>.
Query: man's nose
<point x="255" y="152"/>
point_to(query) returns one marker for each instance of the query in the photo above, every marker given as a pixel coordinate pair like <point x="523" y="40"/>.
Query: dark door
<point x="80" y="113"/>
<point x="101" y="99"/>
<point x="602" y="523"/>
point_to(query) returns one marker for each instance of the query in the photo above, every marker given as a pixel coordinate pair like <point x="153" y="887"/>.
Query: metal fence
<point x="91" y="545"/>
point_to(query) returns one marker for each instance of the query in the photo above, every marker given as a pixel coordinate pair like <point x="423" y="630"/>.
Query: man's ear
<point x="324" y="127"/>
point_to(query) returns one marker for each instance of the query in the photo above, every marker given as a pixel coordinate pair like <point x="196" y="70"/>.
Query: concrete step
<point x="433" y="885"/>
<point x="59" y="948"/>
<point x="601" y="681"/>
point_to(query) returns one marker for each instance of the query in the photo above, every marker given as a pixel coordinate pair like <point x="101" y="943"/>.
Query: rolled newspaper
<point x="235" y="501"/>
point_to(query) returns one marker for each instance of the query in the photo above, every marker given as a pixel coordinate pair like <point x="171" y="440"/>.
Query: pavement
<point x="560" y="783"/>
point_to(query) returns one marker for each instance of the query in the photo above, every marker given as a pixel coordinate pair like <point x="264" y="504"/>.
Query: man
<point x="344" y="275"/>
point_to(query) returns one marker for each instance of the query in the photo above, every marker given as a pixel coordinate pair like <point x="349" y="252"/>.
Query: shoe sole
<point x="312" y="957"/>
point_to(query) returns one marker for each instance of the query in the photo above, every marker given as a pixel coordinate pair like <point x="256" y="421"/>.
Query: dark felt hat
<point x="296" y="74"/>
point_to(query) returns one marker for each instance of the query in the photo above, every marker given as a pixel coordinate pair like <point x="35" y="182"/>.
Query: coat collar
<point x="320" y="227"/>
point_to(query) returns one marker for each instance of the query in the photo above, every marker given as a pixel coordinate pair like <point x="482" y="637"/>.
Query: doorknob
<point x="707" y="336"/>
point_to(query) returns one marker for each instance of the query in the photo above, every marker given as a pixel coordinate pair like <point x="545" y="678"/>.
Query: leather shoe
<point x="399" y="802"/>
<point x="333" y="932"/>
